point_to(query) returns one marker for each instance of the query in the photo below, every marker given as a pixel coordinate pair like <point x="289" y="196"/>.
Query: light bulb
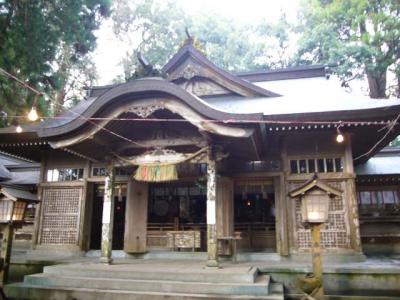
<point x="33" y="116"/>
<point x="18" y="129"/>
<point x="339" y="138"/>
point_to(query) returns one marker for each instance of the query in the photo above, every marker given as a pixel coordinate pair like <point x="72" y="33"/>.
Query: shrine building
<point x="200" y="159"/>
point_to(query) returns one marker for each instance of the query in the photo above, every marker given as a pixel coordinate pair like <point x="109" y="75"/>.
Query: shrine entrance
<point x="254" y="215"/>
<point x="119" y="216"/>
<point x="177" y="216"/>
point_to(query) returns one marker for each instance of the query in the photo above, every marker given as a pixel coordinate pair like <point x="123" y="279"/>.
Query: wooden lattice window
<point x="19" y="210"/>
<point x="55" y="175"/>
<point x="383" y="201"/>
<point x="316" y="165"/>
<point x="60" y="216"/>
<point x="5" y="209"/>
<point x="99" y="171"/>
<point x="256" y="166"/>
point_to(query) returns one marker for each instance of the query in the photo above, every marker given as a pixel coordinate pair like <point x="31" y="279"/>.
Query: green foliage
<point x="157" y="29"/>
<point x="278" y="39"/>
<point x="395" y="142"/>
<point x="41" y="42"/>
<point x="360" y="37"/>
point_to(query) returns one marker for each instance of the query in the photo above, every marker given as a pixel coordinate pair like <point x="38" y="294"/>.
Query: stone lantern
<point x="13" y="204"/>
<point x="315" y="197"/>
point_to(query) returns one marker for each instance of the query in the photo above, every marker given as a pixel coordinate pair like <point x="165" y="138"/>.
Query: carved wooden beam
<point x="190" y="70"/>
<point x="163" y="143"/>
<point x="146" y="107"/>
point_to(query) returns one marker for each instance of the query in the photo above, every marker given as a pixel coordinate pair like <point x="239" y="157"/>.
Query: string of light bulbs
<point x="32" y="115"/>
<point x="336" y="124"/>
<point x="224" y="121"/>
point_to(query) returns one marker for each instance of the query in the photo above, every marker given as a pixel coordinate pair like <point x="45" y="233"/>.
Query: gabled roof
<point x="189" y="63"/>
<point x="8" y="159"/>
<point x="18" y="194"/>
<point x="386" y="162"/>
<point x="313" y="183"/>
<point x="123" y="93"/>
<point x="18" y="171"/>
<point x="4" y="173"/>
<point x="285" y="73"/>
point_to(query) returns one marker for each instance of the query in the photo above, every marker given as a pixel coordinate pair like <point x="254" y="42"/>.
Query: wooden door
<point x="135" y="237"/>
<point x="224" y="206"/>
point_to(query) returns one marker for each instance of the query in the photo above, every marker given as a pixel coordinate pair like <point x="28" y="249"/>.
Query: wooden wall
<point x="290" y="237"/>
<point x="342" y="232"/>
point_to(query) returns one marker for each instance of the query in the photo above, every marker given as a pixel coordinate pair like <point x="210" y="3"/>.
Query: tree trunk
<point x="376" y="84"/>
<point x="59" y="97"/>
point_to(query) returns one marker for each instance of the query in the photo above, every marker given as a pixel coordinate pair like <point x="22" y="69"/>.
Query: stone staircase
<point x="145" y="280"/>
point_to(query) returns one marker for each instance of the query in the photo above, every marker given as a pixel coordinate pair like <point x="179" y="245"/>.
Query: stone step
<point x="192" y="256"/>
<point x="258" y="256"/>
<point x="347" y="297"/>
<point x="32" y="292"/>
<point x="353" y="297"/>
<point x="275" y="288"/>
<point x="259" y="288"/>
<point x="116" y="254"/>
<point x="192" y="273"/>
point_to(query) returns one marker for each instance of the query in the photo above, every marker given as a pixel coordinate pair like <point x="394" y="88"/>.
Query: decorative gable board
<point x="203" y="87"/>
<point x="192" y="70"/>
<point x="202" y="81"/>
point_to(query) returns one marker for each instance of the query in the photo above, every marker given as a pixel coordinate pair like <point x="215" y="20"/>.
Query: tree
<point x="278" y="39"/>
<point x="154" y="28"/>
<point x="74" y="73"/>
<point x="42" y="42"/>
<point x="157" y="29"/>
<point x="360" y="37"/>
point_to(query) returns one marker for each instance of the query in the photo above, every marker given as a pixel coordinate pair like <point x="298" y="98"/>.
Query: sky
<point x="110" y="50"/>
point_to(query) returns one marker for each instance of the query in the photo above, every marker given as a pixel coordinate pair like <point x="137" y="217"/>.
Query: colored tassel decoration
<point x="156" y="173"/>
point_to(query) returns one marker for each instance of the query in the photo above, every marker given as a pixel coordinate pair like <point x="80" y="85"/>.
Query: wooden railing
<point x="254" y="236"/>
<point x="379" y="210"/>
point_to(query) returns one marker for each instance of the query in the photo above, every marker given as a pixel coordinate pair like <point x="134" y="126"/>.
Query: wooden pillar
<point x="212" y="251"/>
<point x="38" y="206"/>
<point x="351" y="198"/>
<point x="108" y="217"/>
<point x="86" y="209"/>
<point x="6" y="244"/>
<point x="281" y="216"/>
<point x="285" y="210"/>
<point x="135" y="238"/>
<point x="224" y="212"/>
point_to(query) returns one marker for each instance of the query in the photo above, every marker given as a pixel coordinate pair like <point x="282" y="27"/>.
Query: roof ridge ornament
<point x="189" y="39"/>
<point x="144" y="69"/>
<point x="195" y="43"/>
